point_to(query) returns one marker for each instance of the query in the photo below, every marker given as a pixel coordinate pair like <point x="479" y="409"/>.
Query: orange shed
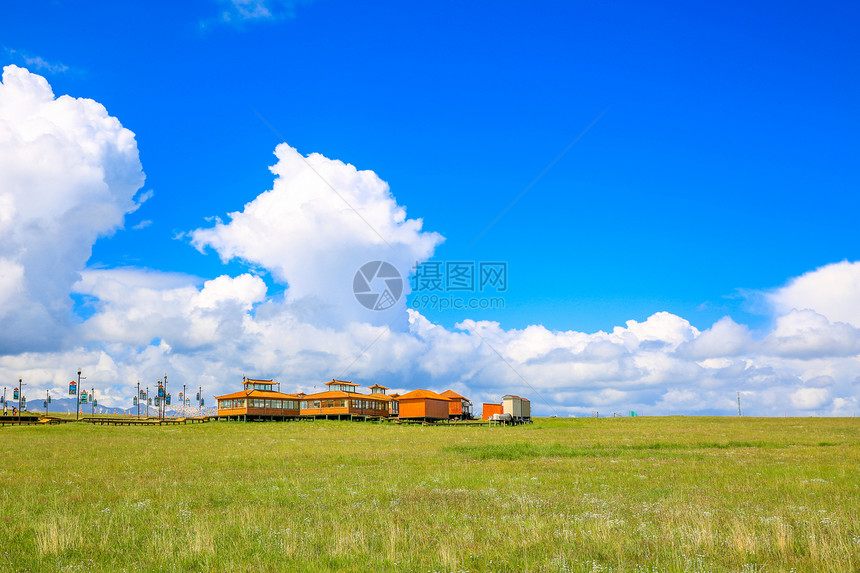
<point x="490" y="409"/>
<point x="459" y="407"/>
<point x="423" y="405"/>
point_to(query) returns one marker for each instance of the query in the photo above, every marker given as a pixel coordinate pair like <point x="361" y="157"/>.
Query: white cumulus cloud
<point x="807" y="334"/>
<point x="832" y="291"/>
<point x="724" y="338"/>
<point x="68" y="175"/>
<point x="322" y="220"/>
<point x="137" y="307"/>
<point x="810" y="398"/>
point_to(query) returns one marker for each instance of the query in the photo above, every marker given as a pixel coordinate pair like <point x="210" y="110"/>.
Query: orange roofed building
<point x="380" y="391"/>
<point x="423" y="405"/>
<point x="342" y="400"/>
<point x="257" y="401"/>
<point x="459" y="408"/>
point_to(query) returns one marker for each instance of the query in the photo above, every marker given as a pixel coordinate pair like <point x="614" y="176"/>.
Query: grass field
<point x="631" y="494"/>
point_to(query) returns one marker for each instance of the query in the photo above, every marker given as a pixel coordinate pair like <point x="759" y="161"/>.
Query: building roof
<point x="452" y="394"/>
<point x="329" y="394"/>
<point x="269" y="381"/>
<point x="514" y="396"/>
<point x="257" y="394"/>
<point x="379" y="386"/>
<point x="423" y="394"/>
<point x="341" y="382"/>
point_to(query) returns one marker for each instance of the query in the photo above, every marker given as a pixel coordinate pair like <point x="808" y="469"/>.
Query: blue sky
<point x="723" y="162"/>
<point x="726" y="157"/>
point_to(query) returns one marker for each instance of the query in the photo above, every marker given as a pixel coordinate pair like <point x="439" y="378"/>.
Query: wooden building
<point x="423" y="405"/>
<point x="381" y="392"/>
<point x="342" y="400"/>
<point x="257" y="401"/>
<point x="395" y="405"/>
<point x="459" y="408"/>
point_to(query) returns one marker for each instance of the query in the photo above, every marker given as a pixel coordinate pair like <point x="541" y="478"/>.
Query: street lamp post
<point x="200" y="401"/>
<point x="137" y="398"/>
<point x="78" y="396"/>
<point x="93" y="401"/>
<point x="22" y="401"/>
<point x="162" y="397"/>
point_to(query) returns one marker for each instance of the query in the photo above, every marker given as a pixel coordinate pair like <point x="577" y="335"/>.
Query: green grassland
<point x="626" y="494"/>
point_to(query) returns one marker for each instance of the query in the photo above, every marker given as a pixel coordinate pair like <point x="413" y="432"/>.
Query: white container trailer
<point x="518" y="407"/>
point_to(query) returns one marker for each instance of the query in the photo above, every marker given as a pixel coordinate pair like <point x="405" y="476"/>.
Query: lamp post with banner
<point x="18" y="394"/>
<point x="74" y="390"/>
<point x="84" y="398"/>
<point x="160" y="396"/>
<point x="166" y="399"/>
